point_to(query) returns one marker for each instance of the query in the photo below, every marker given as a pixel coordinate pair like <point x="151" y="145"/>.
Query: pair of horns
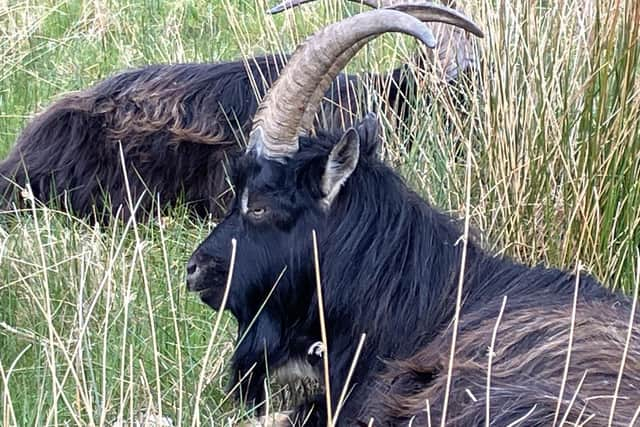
<point x="289" y="108"/>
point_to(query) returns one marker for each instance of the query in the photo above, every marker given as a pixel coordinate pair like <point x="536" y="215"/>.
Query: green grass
<point x="107" y="315"/>
<point x="95" y="323"/>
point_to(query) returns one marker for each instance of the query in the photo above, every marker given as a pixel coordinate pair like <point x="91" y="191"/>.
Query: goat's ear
<point x="341" y="163"/>
<point x="368" y="129"/>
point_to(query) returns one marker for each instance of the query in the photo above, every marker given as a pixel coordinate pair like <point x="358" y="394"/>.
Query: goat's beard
<point x="213" y="297"/>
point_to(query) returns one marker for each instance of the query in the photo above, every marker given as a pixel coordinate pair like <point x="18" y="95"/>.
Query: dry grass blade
<point x="456" y="318"/>
<point x="627" y="341"/>
<point x="323" y="329"/>
<point x="347" y="383"/>
<point x="139" y="248"/>
<point x="205" y="361"/>
<point x="569" y="345"/>
<point x="492" y="350"/>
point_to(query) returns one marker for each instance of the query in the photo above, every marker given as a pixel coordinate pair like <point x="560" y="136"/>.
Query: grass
<point x="95" y="323"/>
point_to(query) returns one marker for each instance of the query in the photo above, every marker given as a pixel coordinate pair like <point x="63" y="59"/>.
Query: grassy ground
<point x="95" y="324"/>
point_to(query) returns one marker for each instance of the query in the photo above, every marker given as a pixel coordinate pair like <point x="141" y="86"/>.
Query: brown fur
<point x="527" y="371"/>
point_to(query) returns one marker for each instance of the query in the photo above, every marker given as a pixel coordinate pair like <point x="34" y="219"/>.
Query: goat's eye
<point x="257" y="213"/>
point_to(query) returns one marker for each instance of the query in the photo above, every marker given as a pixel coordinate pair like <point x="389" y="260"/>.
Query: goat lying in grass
<point x="390" y="267"/>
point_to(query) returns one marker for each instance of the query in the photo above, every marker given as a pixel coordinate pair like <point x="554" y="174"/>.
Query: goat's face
<point x="277" y="206"/>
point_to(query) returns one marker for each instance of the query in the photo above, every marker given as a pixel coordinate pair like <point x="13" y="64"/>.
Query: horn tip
<point x="428" y="38"/>
<point x="475" y="30"/>
<point x="277" y="9"/>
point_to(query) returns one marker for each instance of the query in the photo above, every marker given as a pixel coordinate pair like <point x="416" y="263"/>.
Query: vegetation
<point x="95" y="321"/>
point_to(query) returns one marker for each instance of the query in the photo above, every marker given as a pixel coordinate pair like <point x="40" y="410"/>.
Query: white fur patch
<point x="279" y="419"/>
<point x="294" y="370"/>
<point x="244" y="201"/>
<point x="316" y="349"/>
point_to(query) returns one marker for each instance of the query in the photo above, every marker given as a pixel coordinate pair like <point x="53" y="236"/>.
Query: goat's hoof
<point x="278" y="419"/>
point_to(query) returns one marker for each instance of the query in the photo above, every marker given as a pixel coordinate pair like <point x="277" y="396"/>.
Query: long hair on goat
<point x="527" y="369"/>
<point x="176" y="125"/>
<point x="402" y="290"/>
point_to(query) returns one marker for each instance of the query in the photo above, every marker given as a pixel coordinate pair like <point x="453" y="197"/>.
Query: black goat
<point x="390" y="266"/>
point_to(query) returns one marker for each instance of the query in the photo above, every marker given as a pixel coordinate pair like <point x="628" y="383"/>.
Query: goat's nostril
<point x="191" y="268"/>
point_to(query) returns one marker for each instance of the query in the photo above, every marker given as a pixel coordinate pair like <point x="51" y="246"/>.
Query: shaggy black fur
<point x="177" y="124"/>
<point x="389" y="263"/>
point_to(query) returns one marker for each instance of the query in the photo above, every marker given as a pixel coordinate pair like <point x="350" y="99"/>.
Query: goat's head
<point x="276" y="208"/>
<point x="288" y="183"/>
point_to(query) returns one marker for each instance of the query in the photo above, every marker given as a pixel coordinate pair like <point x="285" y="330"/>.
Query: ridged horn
<point x="310" y="71"/>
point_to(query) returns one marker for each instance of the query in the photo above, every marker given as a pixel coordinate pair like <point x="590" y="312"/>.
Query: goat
<point x="179" y="126"/>
<point x="390" y="265"/>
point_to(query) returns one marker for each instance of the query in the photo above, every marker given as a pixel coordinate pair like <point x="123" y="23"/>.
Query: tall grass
<point x="95" y="324"/>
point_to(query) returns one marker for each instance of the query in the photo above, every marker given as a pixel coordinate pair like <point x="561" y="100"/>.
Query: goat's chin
<point x="213" y="297"/>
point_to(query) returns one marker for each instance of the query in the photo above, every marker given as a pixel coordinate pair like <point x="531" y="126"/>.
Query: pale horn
<point x="310" y="71"/>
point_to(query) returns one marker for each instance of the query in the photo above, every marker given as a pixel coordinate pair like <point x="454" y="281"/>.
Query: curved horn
<point x="311" y="69"/>
<point x="424" y="11"/>
<point x="430" y="12"/>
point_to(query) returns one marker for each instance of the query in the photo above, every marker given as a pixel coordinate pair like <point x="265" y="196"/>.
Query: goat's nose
<point x="192" y="267"/>
<point x="193" y="271"/>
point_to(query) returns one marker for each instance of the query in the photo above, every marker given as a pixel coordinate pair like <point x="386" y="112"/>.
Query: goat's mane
<point x="391" y="261"/>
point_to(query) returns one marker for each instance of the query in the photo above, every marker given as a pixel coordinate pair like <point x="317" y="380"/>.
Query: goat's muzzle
<point x="194" y="271"/>
<point x="206" y="277"/>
